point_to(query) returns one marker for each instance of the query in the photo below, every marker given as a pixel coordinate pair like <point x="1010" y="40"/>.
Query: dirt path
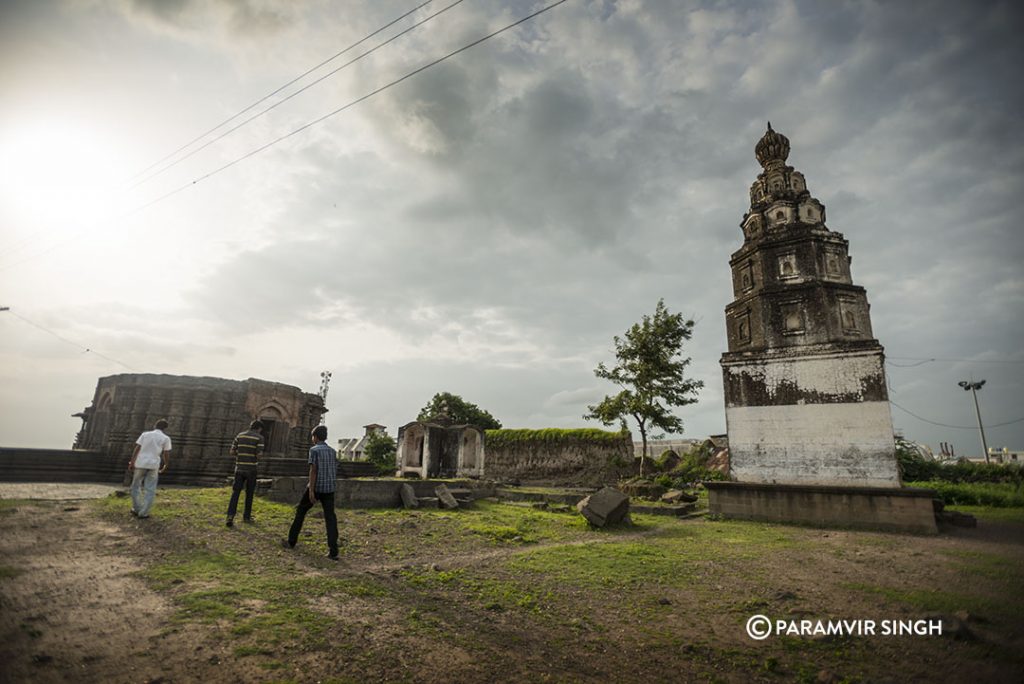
<point x="71" y="608"/>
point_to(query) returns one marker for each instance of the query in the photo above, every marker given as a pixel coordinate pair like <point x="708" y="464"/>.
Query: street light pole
<point x="974" y="387"/>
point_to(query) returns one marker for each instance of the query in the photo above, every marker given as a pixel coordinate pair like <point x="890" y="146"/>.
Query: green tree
<point x="380" y="449"/>
<point x="650" y="369"/>
<point x="452" y="409"/>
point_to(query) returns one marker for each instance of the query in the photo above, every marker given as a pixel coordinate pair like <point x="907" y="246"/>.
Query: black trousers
<point x="326" y="500"/>
<point x="244" y="477"/>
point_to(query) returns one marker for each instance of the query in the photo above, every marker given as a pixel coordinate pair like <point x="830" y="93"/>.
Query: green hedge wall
<point x="502" y="438"/>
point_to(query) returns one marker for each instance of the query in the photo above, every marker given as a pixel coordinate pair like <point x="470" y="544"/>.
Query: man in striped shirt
<point x="247" y="448"/>
<point x="323" y="472"/>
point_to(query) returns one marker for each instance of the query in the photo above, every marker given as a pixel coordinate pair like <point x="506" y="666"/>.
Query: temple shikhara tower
<point x="805" y="390"/>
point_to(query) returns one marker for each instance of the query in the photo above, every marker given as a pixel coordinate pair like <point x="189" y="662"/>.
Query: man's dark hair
<point x="320" y="432"/>
<point x="161" y="424"/>
<point x="255" y="425"/>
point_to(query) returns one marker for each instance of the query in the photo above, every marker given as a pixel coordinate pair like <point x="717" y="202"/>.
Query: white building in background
<point x="1004" y="455"/>
<point x="351" y="448"/>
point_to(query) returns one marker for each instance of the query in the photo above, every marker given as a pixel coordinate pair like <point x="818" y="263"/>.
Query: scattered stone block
<point x="429" y="502"/>
<point x="607" y="506"/>
<point x="445" y="497"/>
<point x="643" y="489"/>
<point x="678" y="496"/>
<point x="409" y="499"/>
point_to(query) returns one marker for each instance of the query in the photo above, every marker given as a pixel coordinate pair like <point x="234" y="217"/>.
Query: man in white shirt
<point x="151" y="456"/>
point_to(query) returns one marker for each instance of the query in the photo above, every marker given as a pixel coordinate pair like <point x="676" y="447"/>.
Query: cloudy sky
<point x="486" y="226"/>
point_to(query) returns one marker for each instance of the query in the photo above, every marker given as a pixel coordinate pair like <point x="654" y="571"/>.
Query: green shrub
<point x="500" y="438"/>
<point x="996" y="494"/>
<point x="913" y="466"/>
<point x="916" y="468"/>
<point x="380" y="450"/>
<point x="693" y="468"/>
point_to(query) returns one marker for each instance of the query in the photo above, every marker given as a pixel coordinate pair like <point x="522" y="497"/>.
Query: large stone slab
<point x="409" y="499"/>
<point x="606" y="506"/>
<point x="445" y="497"/>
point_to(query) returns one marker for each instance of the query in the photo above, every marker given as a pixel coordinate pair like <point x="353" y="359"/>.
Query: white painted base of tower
<point x="822" y="444"/>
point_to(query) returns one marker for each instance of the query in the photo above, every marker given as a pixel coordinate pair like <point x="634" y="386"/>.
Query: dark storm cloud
<point x="552" y="186"/>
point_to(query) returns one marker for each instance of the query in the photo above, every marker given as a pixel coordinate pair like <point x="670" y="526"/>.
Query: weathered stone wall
<point x="810" y="420"/>
<point x="569" y="460"/>
<point x="895" y="510"/>
<point x="59" y="465"/>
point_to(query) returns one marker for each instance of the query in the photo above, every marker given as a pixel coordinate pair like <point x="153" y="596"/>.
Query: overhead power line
<point x="923" y="361"/>
<point x="955" y="427"/>
<point x="275" y="92"/>
<point x="266" y="146"/>
<point x="379" y="90"/>
<point x="280" y="102"/>
<point x="85" y="350"/>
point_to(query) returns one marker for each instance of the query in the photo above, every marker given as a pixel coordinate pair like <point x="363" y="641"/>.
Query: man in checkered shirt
<point x="323" y="472"/>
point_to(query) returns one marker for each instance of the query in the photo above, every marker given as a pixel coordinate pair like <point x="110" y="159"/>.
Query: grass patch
<point x="11" y="506"/>
<point x="510" y="437"/>
<point x="487" y="592"/>
<point x="9" y="571"/>
<point x="931" y="600"/>
<point x="1015" y="515"/>
<point x="989" y="566"/>
<point x="501" y="523"/>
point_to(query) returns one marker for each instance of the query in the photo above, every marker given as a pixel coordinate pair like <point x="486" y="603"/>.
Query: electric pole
<point x="974" y="387"/>
<point x="325" y="381"/>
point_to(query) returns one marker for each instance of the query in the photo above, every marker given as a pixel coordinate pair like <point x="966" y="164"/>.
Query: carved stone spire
<point x="772" y="149"/>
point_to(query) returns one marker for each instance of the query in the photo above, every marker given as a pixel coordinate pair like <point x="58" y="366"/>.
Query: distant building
<point x="351" y="448"/>
<point x="1004" y="455"/>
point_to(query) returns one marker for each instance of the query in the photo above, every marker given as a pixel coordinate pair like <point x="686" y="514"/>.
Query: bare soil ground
<point x="498" y="593"/>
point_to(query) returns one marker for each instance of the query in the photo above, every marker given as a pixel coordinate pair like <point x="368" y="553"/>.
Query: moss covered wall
<point x="571" y="457"/>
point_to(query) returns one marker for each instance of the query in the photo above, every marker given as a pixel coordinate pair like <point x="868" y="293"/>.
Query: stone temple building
<point x="432" y="449"/>
<point x="805" y="389"/>
<point x="204" y="414"/>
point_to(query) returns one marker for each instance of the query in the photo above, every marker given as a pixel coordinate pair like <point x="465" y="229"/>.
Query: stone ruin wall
<point x="571" y="460"/>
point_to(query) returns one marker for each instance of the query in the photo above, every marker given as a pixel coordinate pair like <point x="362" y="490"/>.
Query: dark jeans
<point x="326" y="500"/>
<point x="243" y="478"/>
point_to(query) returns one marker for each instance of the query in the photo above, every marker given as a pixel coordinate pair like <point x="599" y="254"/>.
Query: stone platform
<point x="887" y="509"/>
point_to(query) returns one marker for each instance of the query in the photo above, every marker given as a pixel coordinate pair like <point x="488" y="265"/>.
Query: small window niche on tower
<point x="747" y="277"/>
<point x="792" y="318"/>
<point x="787" y="266"/>
<point x="849" y="316"/>
<point x="833" y="264"/>
<point x="741" y="327"/>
